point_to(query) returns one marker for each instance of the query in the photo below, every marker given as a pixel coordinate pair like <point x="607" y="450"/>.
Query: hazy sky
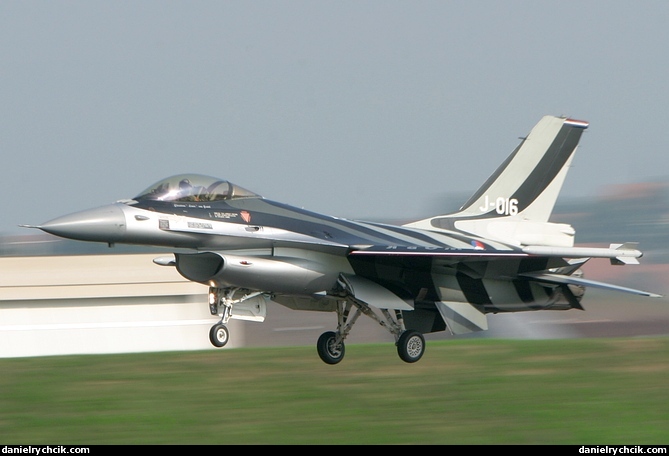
<point x="360" y="109"/>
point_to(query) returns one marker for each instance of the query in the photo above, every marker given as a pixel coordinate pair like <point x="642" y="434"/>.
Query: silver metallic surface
<point x="102" y="224"/>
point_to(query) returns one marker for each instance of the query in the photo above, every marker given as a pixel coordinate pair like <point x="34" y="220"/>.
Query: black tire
<point x="329" y="351"/>
<point x="219" y="335"/>
<point x="411" y="346"/>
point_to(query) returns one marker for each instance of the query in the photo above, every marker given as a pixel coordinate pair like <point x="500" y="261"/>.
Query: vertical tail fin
<point x="532" y="175"/>
<point x="516" y="201"/>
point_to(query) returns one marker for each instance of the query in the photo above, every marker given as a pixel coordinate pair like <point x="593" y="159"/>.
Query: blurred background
<point x="375" y="110"/>
<point x="362" y="109"/>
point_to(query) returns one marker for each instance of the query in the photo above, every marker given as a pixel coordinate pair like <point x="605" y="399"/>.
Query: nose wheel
<point x="219" y="335"/>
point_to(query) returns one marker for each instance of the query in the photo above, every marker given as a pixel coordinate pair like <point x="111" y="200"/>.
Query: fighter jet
<point x="498" y="253"/>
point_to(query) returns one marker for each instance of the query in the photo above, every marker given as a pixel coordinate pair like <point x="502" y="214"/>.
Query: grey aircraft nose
<point x="102" y="224"/>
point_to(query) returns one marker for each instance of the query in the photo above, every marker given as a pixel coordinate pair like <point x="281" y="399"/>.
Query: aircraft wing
<point x="557" y="259"/>
<point x="474" y="253"/>
<point x="618" y="253"/>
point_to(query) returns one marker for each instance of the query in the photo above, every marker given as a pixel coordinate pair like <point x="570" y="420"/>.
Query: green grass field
<point x="592" y="391"/>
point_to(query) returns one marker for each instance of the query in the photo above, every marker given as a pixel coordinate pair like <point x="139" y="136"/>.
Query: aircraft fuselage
<point x="498" y="253"/>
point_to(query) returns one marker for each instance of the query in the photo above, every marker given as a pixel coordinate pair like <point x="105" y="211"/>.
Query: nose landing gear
<point x="249" y="306"/>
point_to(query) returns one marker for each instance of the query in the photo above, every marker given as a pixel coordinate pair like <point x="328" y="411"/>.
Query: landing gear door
<point x="254" y="309"/>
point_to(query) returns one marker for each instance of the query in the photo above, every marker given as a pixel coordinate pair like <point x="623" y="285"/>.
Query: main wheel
<point x="219" y="335"/>
<point x="329" y="350"/>
<point x="411" y="346"/>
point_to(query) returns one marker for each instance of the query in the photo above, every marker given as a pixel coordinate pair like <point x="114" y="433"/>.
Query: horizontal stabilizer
<point x="462" y="317"/>
<point x="558" y="279"/>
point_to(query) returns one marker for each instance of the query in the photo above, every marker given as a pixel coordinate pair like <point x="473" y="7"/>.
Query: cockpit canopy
<point x="194" y="187"/>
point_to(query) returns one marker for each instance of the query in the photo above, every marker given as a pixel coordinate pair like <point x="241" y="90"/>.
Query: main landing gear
<point x="330" y="346"/>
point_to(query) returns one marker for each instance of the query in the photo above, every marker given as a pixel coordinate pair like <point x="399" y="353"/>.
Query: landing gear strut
<point x="330" y="345"/>
<point x="221" y="302"/>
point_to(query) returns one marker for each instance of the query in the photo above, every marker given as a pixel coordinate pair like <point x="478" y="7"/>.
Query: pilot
<point x="185" y="189"/>
<point x="187" y="192"/>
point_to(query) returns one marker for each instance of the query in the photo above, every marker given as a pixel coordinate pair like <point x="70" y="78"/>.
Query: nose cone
<point x="102" y="224"/>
